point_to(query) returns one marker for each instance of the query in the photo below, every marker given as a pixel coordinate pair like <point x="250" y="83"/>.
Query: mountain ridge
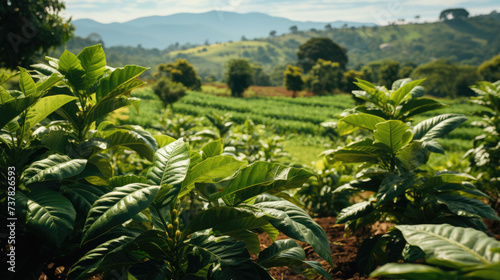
<point x="214" y="26"/>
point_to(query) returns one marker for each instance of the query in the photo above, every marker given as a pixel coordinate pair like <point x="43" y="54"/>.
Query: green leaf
<point x="211" y="170"/>
<point x="54" y="167"/>
<point x="49" y="82"/>
<point x="89" y="263"/>
<point x="150" y="270"/>
<point x="225" y="219"/>
<point x="261" y="177"/>
<point x="103" y="108"/>
<point x="286" y="252"/>
<point x="350" y="123"/>
<point x="466" y="206"/>
<point x="297" y="224"/>
<point x="93" y="60"/>
<point x="250" y="238"/>
<point x="230" y="257"/>
<point x="26" y="83"/>
<point x="361" y="151"/>
<point x="393" y="134"/>
<point x="82" y="195"/>
<point x="411" y="272"/>
<point x="44" y="107"/>
<point x="129" y="136"/>
<point x="400" y="94"/>
<point x="170" y="164"/>
<point x="453" y="247"/>
<point x="355" y="211"/>
<point x="412" y="156"/>
<point x="163" y="140"/>
<point x="49" y="214"/>
<point x="437" y="127"/>
<point x="14" y="107"/>
<point x="418" y="106"/>
<point x="119" y="82"/>
<point x="212" y="149"/>
<point x="71" y="67"/>
<point x="117" y="207"/>
<point x="122" y="180"/>
<point x="391" y="187"/>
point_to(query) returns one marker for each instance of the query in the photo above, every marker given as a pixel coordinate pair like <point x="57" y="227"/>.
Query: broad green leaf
<point x="261" y="177"/>
<point x="89" y="263"/>
<point x="129" y="136"/>
<point x="49" y="82"/>
<point x="122" y="180"/>
<point x="250" y="238"/>
<point x="54" y="167"/>
<point x="150" y="270"/>
<point x="49" y="214"/>
<point x="466" y="206"/>
<point x="350" y="123"/>
<point x="4" y="77"/>
<point x="286" y="252"/>
<point x="13" y="108"/>
<point x="103" y="108"/>
<point x="44" y="107"/>
<point x="400" y="94"/>
<point x="445" y="178"/>
<point x="418" y="106"/>
<point x="355" y="211"/>
<point x="433" y="146"/>
<point x="411" y="272"/>
<point x="361" y="151"/>
<point x="394" y="134"/>
<point x="119" y="82"/>
<point x="93" y="60"/>
<point x="391" y="187"/>
<point x="170" y="164"/>
<point x="230" y="257"/>
<point x="412" y="156"/>
<point x="371" y="93"/>
<point x="399" y="83"/>
<point x="4" y="96"/>
<point x="26" y="83"/>
<point x="117" y="207"/>
<point x="71" y="67"/>
<point x="212" y="149"/>
<point x="437" y="127"/>
<point x="163" y="140"/>
<point x="453" y="247"/>
<point x="225" y="219"/>
<point x="82" y="195"/>
<point x="211" y="170"/>
<point x="297" y="224"/>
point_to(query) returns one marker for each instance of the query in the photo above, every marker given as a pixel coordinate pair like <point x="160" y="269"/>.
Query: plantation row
<point x="302" y="115"/>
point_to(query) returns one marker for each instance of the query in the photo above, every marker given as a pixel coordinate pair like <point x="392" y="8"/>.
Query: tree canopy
<point x="239" y="76"/>
<point x="458" y="13"/>
<point x="181" y="71"/>
<point x="293" y="79"/>
<point x="324" y="48"/>
<point x="30" y="27"/>
<point x="325" y="76"/>
<point x="490" y="69"/>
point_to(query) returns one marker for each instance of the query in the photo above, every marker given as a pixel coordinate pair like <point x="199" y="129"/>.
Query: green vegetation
<point x="321" y="48"/>
<point x="180" y="72"/>
<point x="29" y="28"/>
<point x="293" y="79"/>
<point x="239" y="76"/>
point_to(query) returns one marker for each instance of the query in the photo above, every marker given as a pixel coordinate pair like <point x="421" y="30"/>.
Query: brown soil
<point x="343" y="249"/>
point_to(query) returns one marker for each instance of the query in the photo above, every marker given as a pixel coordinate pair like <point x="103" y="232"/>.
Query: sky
<point x="378" y="12"/>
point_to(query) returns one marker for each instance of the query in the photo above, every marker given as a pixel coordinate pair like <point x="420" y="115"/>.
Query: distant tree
<point x="239" y="76"/>
<point x="324" y="77"/>
<point x="367" y="73"/>
<point x="446" y="79"/>
<point x="320" y="47"/>
<point x="458" y="13"/>
<point x="406" y="69"/>
<point x="349" y="77"/>
<point x="168" y="91"/>
<point x="328" y="27"/>
<point x="243" y="38"/>
<point x="181" y="71"/>
<point x="292" y="79"/>
<point x="260" y="77"/>
<point x="490" y="69"/>
<point x="294" y="29"/>
<point x="388" y="73"/>
<point x="29" y="28"/>
<point x="272" y="33"/>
